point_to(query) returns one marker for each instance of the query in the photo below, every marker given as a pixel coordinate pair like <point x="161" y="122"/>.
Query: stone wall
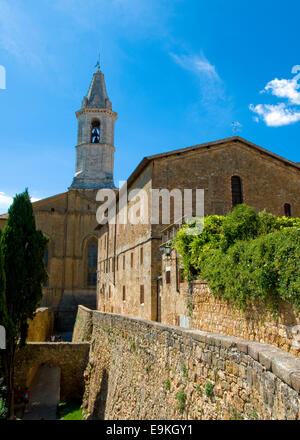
<point x="194" y="306"/>
<point x="70" y="358"/>
<point x="83" y="325"/>
<point x="41" y="327"/>
<point x="140" y="369"/>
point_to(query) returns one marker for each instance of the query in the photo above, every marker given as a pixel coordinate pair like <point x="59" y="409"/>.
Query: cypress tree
<point x="3" y="322"/>
<point x="2" y="289"/>
<point x="23" y="251"/>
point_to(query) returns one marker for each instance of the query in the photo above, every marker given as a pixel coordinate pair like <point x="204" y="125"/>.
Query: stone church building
<point x="131" y="277"/>
<point x="69" y="219"/>
<point x="117" y="267"/>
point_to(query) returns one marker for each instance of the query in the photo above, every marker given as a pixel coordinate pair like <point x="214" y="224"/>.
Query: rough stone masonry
<point x="139" y="369"/>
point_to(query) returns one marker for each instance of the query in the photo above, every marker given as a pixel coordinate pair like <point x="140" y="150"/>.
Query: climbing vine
<point x="245" y="257"/>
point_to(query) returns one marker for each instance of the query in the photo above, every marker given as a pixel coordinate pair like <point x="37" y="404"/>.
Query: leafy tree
<point x="23" y="250"/>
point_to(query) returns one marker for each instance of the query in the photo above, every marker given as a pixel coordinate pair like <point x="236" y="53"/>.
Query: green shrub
<point x="168" y="384"/>
<point x="185" y="371"/>
<point x="266" y="270"/>
<point x="241" y="224"/>
<point x="246" y="257"/>
<point x="181" y="397"/>
<point x="209" y="389"/>
<point x="3" y="406"/>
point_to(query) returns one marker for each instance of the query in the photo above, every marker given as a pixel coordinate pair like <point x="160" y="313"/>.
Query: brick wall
<point x="140" y="370"/>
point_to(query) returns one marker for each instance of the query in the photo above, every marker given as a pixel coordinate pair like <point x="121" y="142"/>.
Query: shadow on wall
<point x="101" y="398"/>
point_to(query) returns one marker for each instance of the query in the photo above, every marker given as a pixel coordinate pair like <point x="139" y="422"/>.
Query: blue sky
<point x="178" y="73"/>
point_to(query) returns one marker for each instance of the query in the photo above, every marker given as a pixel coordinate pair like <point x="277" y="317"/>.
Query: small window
<point x="124" y="293"/>
<point x="124" y="262"/>
<point x="142" y="294"/>
<point x="52" y="210"/>
<point x="168" y="277"/>
<point x="109" y="292"/>
<point x="117" y="264"/>
<point x="236" y="191"/>
<point x="142" y="256"/>
<point x="131" y="259"/>
<point x="287" y="210"/>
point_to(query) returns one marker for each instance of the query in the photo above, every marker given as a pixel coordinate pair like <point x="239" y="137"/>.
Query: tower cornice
<point x="96" y="146"/>
<point x="97" y="110"/>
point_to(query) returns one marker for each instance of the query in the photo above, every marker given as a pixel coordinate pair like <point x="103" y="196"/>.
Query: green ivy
<point x="246" y="257"/>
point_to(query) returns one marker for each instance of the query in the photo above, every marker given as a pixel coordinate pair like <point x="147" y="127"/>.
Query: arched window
<point x="95" y="132"/>
<point x="236" y="191"/>
<point x="92" y="263"/>
<point x="287" y="210"/>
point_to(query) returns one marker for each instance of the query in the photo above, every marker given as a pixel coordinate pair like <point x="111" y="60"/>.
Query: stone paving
<point x="45" y="394"/>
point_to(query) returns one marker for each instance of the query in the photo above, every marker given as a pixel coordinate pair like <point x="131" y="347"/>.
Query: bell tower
<point x="95" y="143"/>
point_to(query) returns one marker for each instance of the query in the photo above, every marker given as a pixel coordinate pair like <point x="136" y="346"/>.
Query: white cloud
<point x="284" y="88"/>
<point x="276" y="115"/>
<point x="212" y="105"/>
<point x="280" y="114"/>
<point x="199" y="65"/>
<point x="6" y="200"/>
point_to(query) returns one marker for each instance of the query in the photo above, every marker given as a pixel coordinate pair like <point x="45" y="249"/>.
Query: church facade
<point x="69" y="219"/>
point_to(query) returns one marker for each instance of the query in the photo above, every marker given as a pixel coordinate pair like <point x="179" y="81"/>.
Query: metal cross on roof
<point x="98" y="63"/>
<point x="236" y="126"/>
